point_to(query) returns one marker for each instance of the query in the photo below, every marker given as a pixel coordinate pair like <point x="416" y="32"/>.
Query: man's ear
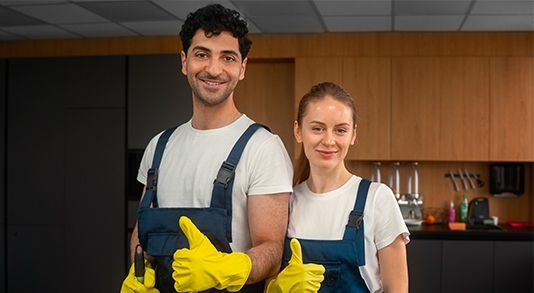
<point x="184" y="66"/>
<point x="243" y="68"/>
<point x="297" y="132"/>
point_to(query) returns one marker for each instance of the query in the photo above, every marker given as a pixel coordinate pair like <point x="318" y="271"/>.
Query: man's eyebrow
<point x="230" y="52"/>
<point x="200" y="48"/>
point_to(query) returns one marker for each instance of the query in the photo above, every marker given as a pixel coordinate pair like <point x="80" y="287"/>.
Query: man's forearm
<point x="266" y="260"/>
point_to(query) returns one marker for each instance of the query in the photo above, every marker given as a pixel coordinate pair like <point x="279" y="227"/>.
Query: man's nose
<point x="214" y="68"/>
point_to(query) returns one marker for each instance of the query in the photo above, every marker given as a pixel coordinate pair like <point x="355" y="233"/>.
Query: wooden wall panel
<point x="368" y="80"/>
<point x="266" y="95"/>
<point x="512" y="109"/>
<point x="357" y="44"/>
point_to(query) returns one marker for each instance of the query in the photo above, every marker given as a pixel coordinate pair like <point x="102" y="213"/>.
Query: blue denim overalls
<point x="159" y="232"/>
<point x="341" y="258"/>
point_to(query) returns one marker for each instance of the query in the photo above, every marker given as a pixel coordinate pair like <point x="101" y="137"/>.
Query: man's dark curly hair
<point x="214" y="19"/>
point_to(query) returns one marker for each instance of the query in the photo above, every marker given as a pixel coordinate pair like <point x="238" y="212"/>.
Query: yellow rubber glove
<point x="297" y="277"/>
<point x="202" y="266"/>
<point x="132" y="285"/>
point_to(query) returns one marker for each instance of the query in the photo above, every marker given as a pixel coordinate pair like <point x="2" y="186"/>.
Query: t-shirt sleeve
<point x="389" y="223"/>
<point x="146" y="160"/>
<point x="270" y="170"/>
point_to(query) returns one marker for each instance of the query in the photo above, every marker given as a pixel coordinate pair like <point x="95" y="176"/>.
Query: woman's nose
<point x="328" y="138"/>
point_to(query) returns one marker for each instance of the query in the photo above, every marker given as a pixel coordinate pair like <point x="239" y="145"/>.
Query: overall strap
<point x="221" y="196"/>
<point x="355" y="225"/>
<point x="152" y="176"/>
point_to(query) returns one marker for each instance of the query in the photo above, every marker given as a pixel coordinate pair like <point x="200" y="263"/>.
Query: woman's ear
<point x="297" y="132"/>
<point x="353" y="135"/>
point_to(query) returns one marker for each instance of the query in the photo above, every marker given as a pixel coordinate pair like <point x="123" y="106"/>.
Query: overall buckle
<point x="225" y="174"/>
<point x="152" y="179"/>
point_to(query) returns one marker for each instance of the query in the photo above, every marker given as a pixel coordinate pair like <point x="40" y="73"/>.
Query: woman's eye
<point x="316" y="129"/>
<point x="341" y="131"/>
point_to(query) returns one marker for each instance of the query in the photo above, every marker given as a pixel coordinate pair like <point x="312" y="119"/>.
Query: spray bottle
<point x="452" y="213"/>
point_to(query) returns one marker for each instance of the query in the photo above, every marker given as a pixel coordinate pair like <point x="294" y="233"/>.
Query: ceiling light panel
<point x="39" y="32"/>
<point x="128" y="11"/>
<point x="357" y="23"/>
<point x="154" y="28"/>
<point x="99" y="30"/>
<point x="286" y="24"/>
<point x="499" y="23"/>
<point x="343" y="8"/>
<point x="428" y="23"/>
<point x="430" y="7"/>
<point x="276" y="8"/>
<point x="60" y="13"/>
<point x="181" y="9"/>
<point x="503" y="8"/>
<point x="9" y="17"/>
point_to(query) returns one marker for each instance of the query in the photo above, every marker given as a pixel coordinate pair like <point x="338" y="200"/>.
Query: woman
<point x="348" y="228"/>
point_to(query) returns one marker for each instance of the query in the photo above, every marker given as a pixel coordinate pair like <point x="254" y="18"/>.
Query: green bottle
<point x="463" y="209"/>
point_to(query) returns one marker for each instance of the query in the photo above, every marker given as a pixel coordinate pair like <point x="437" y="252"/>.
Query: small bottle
<point x="452" y="213"/>
<point x="463" y="209"/>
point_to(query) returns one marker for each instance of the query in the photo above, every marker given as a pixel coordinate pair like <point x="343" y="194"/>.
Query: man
<point x="214" y="59"/>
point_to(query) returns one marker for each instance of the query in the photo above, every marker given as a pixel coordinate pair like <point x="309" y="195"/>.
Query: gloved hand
<point x="132" y="285"/>
<point x="297" y="277"/>
<point x="202" y="266"/>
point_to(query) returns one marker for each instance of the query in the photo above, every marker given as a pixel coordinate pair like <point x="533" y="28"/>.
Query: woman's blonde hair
<point x="316" y="93"/>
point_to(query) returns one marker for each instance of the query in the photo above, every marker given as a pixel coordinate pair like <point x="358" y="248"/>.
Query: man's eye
<point x="201" y="55"/>
<point x="229" y="58"/>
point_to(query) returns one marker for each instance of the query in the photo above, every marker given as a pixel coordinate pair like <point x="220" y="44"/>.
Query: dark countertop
<point x="442" y="232"/>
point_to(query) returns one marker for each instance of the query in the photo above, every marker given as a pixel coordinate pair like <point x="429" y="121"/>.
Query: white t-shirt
<point x="323" y="216"/>
<point x="193" y="157"/>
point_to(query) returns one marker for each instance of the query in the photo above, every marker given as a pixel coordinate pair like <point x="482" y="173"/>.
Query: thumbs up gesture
<point x="202" y="266"/>
<point x="297" y="276"/>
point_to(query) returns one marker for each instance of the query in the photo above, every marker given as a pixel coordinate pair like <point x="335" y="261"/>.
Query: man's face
<point x="213" y="67"/>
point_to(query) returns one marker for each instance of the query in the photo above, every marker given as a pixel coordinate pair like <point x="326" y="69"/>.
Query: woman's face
<point x="327" y="132"/>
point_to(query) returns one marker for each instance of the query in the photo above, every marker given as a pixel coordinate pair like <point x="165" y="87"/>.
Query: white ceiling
<point x="48" y="19"/>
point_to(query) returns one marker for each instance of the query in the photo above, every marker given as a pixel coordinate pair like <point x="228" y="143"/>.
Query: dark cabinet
<point x="424" y="265"/>
<point x="159" y="97"/>
<point x="66" y="145"/>
<point x="3" y="69"/>
<point x="467" y="266"/>
<point x="513" y="266"/>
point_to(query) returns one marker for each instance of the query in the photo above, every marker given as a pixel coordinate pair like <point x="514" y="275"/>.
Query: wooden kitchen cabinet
<point x="464" y="109"/>
<point x="512" y="109"/>
<point x="440" y="109"/>
<point x="368" y="81"/>
<point x="415" y="117"/>
<point x="266" y="96"/>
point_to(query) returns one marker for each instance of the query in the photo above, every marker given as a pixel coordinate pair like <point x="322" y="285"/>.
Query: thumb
<point x="296" y="252"/>
<point x="194" y="236"/>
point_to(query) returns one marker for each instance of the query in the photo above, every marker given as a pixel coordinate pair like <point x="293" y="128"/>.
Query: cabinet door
<point x="35" y="142"/>
<point x="512" y="109"/>
<point x="159" y="97"/>
<point x="368" y="81"/>
<point x="311" y="71"/>
<point x="36" y="259"/>
<point x="514" y="263"/>
<point x="95" y="199"/>
<point x="3" y="69"/>
<point x="424" y="265"/>
<point x="415" y="109"/>
<point x="467" y="266"/>
<point x="266" y="95"/>
<point x="464" y="109"/>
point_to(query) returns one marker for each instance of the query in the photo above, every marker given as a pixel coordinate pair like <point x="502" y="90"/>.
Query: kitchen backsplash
<point x="437" y="189"/>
